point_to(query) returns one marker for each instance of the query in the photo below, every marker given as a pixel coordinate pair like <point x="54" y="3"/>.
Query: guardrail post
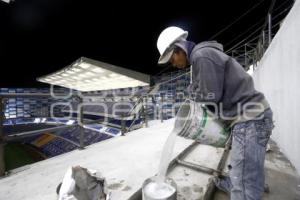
<point x="2" y="161"/>
<point x="81" y="138"/>
<point x="162" y="108"/>
<point x="123" y="125"/>
<point x="145" y="110"/>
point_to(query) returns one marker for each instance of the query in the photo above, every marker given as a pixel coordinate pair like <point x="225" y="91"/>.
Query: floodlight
<point x="7" y="1"/>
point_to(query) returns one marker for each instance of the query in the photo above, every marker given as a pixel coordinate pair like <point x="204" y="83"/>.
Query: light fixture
<point x="90" y="75"/>
<point x="84" y="65"/>
<point x="7" y="1"/>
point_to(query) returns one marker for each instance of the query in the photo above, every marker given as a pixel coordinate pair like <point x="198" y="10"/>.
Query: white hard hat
<point x="166" y="38"/>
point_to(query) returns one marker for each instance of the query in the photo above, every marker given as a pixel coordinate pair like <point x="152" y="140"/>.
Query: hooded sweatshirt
<point x="219" y="81"/>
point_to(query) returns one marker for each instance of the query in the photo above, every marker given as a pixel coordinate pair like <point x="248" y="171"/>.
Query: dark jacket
<point x="219" y="78"/>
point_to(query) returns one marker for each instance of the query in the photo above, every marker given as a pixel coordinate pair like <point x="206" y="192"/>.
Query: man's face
<point x="179" y="59"/>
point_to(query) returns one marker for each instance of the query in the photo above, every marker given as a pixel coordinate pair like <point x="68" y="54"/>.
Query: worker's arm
<point x="207" y="80"/>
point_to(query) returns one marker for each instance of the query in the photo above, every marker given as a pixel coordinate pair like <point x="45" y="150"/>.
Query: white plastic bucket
<point x="153" y="189"/>
<point x="196" y="122"/>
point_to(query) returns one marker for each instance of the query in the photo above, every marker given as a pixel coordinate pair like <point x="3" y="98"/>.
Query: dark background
<point x="38" y="37"/>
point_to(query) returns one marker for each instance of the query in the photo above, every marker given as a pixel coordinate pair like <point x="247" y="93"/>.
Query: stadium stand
<point x="102" y="121"/>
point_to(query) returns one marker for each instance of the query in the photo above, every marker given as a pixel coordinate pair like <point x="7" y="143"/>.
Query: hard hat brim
<point x="165" y="57"/>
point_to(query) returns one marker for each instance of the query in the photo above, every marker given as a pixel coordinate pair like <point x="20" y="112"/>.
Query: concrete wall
<point x="278" y="76"/>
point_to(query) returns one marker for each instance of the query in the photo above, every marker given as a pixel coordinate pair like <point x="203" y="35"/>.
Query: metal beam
<point x="200" y="168"/>
<point x="21" y="135"/>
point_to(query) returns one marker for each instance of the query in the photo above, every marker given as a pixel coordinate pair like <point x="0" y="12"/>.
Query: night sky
<point x="38" y="37"/>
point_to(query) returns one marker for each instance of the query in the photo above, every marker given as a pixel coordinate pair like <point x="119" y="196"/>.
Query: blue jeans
<point x="246" y="181"/>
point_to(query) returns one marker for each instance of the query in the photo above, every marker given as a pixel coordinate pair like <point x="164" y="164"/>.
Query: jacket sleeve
<point x="207" y="81"/>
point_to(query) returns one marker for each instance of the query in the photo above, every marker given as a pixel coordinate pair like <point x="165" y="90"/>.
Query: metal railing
<point x="251" y="49"/>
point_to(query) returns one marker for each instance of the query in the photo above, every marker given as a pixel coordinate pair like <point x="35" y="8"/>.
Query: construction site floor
<point x="281" y="177"/>
<point x="127" y="161"/>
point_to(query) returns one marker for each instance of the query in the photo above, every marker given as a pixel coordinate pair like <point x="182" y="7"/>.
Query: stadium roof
<point x="91" y="75"/>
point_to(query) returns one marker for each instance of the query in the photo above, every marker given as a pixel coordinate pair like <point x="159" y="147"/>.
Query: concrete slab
<point x="191" y="184"/>
<point x="125" y="162"/>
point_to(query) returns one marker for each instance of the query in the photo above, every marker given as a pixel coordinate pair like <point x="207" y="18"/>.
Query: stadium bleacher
<point x="29" y="107"/>
<point x="172" y="87"/>
<point x="60" y="141"/>
<point x="21" y="113"/>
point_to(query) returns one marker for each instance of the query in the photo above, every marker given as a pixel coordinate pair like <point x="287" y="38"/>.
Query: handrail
<point x="153" y="90"/>
<point x="35" y="132"/>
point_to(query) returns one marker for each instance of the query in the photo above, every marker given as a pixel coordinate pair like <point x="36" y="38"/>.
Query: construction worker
<point x="220" y="80"/>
